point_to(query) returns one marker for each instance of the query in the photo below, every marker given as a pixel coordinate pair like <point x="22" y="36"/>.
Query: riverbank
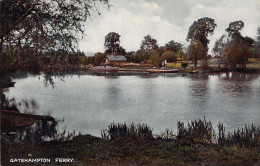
<point x="89" y="150"/>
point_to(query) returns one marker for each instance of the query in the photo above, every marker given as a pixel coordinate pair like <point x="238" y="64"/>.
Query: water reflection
<point x="89" y="102"/>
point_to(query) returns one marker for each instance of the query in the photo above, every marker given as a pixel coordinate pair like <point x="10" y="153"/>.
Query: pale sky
<point x="166" y="20"/>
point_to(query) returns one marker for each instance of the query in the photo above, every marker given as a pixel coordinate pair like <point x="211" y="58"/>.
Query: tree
<point x="43" y="25"/>
<point x="149" y="43"/>
<point x="174" y="46"/>
<point x="99" y="58"/>
<point x="112" y="43"/>
<point x="258" y="37"/>
<point x="220" y="45"/>
<point x="169" y="56"/>
<point x="238" y="51"/>
<point x="200" y="30"/>
<point x="234" y="28"/>
<point x="196" y="51"/>
<point x="155" y="58"/>
<point x="255" y="49"/>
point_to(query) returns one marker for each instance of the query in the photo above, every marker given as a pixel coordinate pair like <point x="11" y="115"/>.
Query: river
<point x="88" y="103"/>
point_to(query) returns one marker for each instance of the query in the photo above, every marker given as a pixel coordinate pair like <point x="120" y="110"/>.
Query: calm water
<point x="88" y="103"/>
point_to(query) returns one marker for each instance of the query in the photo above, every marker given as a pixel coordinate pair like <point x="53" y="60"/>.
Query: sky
<point x="165" y="20"/>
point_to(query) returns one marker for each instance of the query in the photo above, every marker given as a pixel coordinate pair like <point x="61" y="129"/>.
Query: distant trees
<point x="174" y="46"/>
<point x="234" y="47"/>
<point x="155" y="58"/>
<point x="149" y="43"/>
<point x="99" y="58"/>
<point x="170" y="56"/>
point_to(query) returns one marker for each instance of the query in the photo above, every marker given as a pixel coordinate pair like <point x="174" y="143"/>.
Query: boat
<point x="13" y="120"/>
<point x="193" y="71"/>
<point x="103" y="69"/>
<point x="163" y="71"/>
<point x="7" y="84"/>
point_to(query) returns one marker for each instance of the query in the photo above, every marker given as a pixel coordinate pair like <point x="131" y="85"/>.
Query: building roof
<point x="224" y="61"/>
<point x="116" y="58"/>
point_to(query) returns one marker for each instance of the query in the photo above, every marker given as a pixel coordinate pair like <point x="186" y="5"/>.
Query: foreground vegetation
<point x="194" y="144"/>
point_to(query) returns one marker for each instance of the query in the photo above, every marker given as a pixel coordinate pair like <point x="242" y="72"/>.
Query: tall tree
<point x="112" y="43"/>
<point x="200" y="30"/>
<point x="149" y="43"/>
<point x="55" y="24"/>
<point x="239" y="48"/>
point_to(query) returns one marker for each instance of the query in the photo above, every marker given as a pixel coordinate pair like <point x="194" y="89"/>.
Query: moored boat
<point x="162" y="71"/>
<point x="13" y="120"/>
<point x="103" y="69"/>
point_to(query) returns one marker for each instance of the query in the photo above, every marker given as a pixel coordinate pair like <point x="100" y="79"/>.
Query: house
<point x="179" y="63"/>
<point x="253" y="63"/>
<point x="115" y="60"/>
<point x="223" y="63"/>
<point x="214" y="62"/>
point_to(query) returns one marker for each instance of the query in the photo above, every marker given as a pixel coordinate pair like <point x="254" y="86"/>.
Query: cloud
<point x="166" y="20"/>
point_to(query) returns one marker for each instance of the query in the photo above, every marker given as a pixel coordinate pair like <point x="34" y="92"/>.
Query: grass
<point x="123" y="144"/>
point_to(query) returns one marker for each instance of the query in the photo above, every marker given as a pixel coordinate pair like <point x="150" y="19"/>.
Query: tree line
<point x="38" y="32"/>
<point x="233" y="47"/>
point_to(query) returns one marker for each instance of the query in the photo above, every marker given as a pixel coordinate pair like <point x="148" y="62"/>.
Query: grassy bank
<point x="196" y="143"/>
<point x="88" y="150"/>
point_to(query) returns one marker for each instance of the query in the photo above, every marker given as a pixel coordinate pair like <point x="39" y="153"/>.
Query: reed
<point x="196" y="131"/>
<point x="122" y="132"/>
<point x="247" y="136"/>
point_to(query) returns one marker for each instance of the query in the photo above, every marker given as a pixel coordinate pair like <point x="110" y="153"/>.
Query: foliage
<point x="112" y="44"/>
<point x="237" y="51"/>
<point x="174" y="46"/>
<point x="99" y="58"/>
<point x="155" y="58"/>
<point x="169" y="56"/>
<point x="235" y="28"/>
<point x="149" y="43"/>
<point x="122" y="132"/>
<point x="200" y="29"/>
<point x="44" y="24"/>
